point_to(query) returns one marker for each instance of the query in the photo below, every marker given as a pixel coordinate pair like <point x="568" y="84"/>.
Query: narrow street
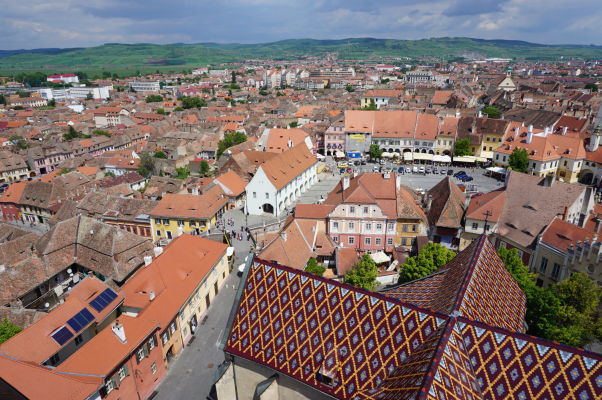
<point x="192" y="373"/>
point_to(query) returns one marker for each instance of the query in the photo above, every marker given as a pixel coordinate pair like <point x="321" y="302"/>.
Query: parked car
<point x="381" y="161"/>
<point x="375" y="168"/>
<point x="465" y="178"/>
<point x="450" y="172"/>
<point x="435" y="170"/>
<point x="414" y="169"/>
<point x="459" y="173"/>
<point x="342" y="170"/>
<point x="421" y="169"/>
<point x="342" y="165"/>
<point x="349" y="170"/>
<point x="401" y="170"/>
<point x="363" y="162"/>
<point x="443" y="171"/>
<point x="429" y="170"/>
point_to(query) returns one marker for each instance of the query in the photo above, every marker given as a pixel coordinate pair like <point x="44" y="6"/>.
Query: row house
<point x="379" y="97"/>
<point x="110" y="116"/>
<point x="124" y="339"/>
<point x="559" y="155"/>
<point x="334" y="139"/>
<point x="33" y="101"/>
<point x="517" y="214"/>
<point x="373" y="212"/>
<point x="47" y="157"/>
<point x="175" y="214"/>
<point x="564" y="248"/>
<point x="485" y="134"/>
<point x="12" y="167"/>
<point x="93" y="146"/>
<point x="280" y="181"/>
<point x="9" y="202"/>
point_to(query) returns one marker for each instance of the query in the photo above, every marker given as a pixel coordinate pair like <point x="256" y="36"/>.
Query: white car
<point x="414" y="169"/>
<point x="421" y="170"/>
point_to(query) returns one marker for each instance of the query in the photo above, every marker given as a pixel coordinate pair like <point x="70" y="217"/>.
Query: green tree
<point x="182" y="173"/>
<point x="293" y="124"/>
<point x="192" y="102"/>
<point x="147" y="164"/>
<point x="233" y="80"/>
<point x="462" y="148"/>
<point x="178" y="109"/>
<point x="230" y="139"/>
<point x="430" y="258"/>
<point x="566" y="312"/>
<point x="349" y="88"/>
<point x="204" y="168"/>
<point x="519" y="160"/>
<point x="263" y="92"/>
<point x="161" y="111"/>
<point x="89" y="96"/>
<point x="52" y="103"/>
<point x="491" y="112"/>
<point x="110" y="174"/>
<point x="2" y="99"/>
<point x="73" y="134"/>
<point x="154" y="98"/>
<point x="375" y="151"/>
<point x="591" y="86"/>
<point x="8" y="330"/>
<point x="160" y="154"/>
<point x="314" y="268"/>
<point x="364" y="273"/>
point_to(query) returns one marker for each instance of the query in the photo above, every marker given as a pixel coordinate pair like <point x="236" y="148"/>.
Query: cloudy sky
<point x="71" y="23"/>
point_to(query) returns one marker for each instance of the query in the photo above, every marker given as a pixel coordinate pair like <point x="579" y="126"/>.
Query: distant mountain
<point x="141" y="55"/>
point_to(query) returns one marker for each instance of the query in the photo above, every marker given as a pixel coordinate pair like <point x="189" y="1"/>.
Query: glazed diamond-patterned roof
<point x="517" y="366"/>
<point x="378" y="348"/>
<point x="475" y="283"/>
<point x="299" y="324"/>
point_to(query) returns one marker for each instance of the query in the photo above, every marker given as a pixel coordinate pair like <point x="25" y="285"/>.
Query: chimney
<point x="147" y="260"/>
<point x="549" y="181"/>
<point x="195" y="190"/>
<point x="345" y="182"/>
<point x="458" y="114"/>
<point x="516" y="132"/>
<point x="180" y="230"/>
<point x="158" y="251"/>
<point x="283" y="235"/>
<point x="151" y="295"/>
<point x="564" y="129"/>
<point x="119" y="331"/>
<point x="397" y="182"/>
<point x="594" y="141"/>
<point x="386" y="175"/>
<point x="290" y="143"/>
<point x="480" y="115"/>
<point x="530" y="134"/>
<point x="598" y="222"/>
<point x="429" y="202"/>
<point x="565" y="215"/>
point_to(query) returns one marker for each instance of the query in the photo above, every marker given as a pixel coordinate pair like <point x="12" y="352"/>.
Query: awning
<point x="444" y="158"/>
<point x="466" y="159"/>
<point x="229" y="251"/>
<point x="339" y="154"/>
<point x="380" y="257"/>
<point x="408" y="156"/>
<point x="241" y="267"/>
<point x="497" y="170"/>
<point x="423" y="156"/>
<point x="386" y="154"/>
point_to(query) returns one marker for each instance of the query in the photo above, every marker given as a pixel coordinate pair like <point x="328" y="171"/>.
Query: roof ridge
<point x="474" y="258"/>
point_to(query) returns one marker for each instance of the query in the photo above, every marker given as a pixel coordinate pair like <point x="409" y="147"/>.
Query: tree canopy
<point x="375" y="151"/>
<point x="160" y="154"/>
<point x="491" y="112"/>
<point x="204" y="168"/>
<point x="230" y="139"/>
<point x="73" y="134"/>
<point x="519" y="160"/>
<point x="430" y="258"/>
<point x="566" y="312"/>
<point x="182" y="173"/>
<point x="371" y="106"/>
<point x="314" y="268"/>
<point x="462" y="148"/>
<point x="193" y="102"/>
<point x="8" y="330"/>
<point x="147" y="164"/>
<point x="154" y="98"/>
<point x="364" y="273"/>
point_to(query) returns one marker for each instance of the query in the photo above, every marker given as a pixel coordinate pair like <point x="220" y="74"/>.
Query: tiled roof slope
<point x="475" y="284"/>
<point x="292" y="321"/>
<point x="376" y="347"/>
<point x="448" y="204"/>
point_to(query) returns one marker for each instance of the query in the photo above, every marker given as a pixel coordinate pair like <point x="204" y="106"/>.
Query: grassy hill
<point x="144" y="56"/>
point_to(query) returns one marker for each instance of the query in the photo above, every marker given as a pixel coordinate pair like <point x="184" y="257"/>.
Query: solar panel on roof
<point x="62" y="335"/>
<point x="80" y="320"/>
<point x="104" y="299"/>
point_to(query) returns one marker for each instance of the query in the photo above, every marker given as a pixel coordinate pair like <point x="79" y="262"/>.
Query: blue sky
<point x="70" y="23"/>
